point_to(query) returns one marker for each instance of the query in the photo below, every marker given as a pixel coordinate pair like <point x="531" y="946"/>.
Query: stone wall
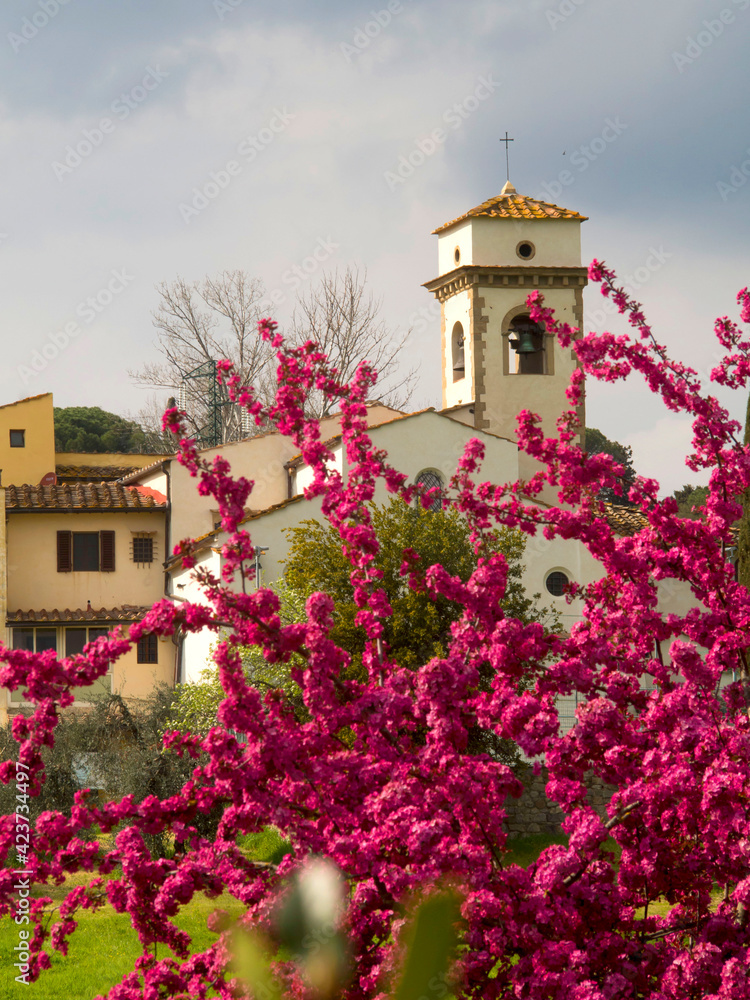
<point x="534" y="813"/>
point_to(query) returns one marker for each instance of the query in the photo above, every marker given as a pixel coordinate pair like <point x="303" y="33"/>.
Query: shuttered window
<point x="85" y="551"/>
<point x="107" y="539"/>
<point x="64" y="551"/>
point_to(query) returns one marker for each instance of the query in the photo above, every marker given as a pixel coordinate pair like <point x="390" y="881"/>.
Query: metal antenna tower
<point x="210" y="435"/>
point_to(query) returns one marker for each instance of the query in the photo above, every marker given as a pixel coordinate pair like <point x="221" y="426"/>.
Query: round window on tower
<point x="556" y="582"/>
<point x="525" y="250"/>
<point x="457" y="255"/>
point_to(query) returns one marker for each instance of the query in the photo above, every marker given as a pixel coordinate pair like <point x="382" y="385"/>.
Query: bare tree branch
<point x="205" y="321"/>
<point x="344" y="320"/>
<point x="199" y="323"/>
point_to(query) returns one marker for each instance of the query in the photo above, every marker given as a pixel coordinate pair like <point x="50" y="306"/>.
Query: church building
<point x="495" y="362"/>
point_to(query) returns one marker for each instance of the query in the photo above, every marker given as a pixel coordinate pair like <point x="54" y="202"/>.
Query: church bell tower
<point x="495" y="361"/>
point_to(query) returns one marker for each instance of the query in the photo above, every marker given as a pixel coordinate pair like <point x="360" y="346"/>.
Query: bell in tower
<point x="526" y="338"/>
<point x="495" y="360"/>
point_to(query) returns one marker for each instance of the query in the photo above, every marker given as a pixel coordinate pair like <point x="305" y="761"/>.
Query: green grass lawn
<point x="104" y="947"/>
<point x="101" y="951"/>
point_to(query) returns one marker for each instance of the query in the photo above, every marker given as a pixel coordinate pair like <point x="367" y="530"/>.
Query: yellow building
<point x="27" y="440"/>
<point x="81" y="553"/>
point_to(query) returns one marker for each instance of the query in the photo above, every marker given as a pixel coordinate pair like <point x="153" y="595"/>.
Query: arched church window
<point x="430" y="479"/>
<point x="527" y="342"/>
<point x="458" y="353"/>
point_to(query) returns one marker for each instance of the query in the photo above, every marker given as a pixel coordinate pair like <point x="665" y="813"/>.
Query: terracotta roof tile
<point x="134" y="474"/>
<point x="624" y="520"/>
<point x="79" y="496"/>
<point x="515" y="206"/>
<point x="26" y="399"/>
<point x="93" y="473"/>
<point x="125" y="613"/>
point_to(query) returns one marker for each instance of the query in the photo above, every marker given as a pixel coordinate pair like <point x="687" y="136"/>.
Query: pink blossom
<point x="376" y="773"/>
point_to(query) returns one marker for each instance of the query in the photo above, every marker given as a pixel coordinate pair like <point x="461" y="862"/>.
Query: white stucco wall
<point x="492" y="242"/>
<point x="261" y="459"/>
<point x="432" y="441"/>
<point x="196" y="646"/>
<point x="303" y="476"/>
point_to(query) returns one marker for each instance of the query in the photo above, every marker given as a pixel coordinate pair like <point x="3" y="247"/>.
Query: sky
<point x="114" y="117"/>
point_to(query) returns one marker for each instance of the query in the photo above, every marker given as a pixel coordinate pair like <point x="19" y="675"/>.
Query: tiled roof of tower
<point x="125" y="613"/>
<point x="80" y="496"/>
<point x="511" y="205"/>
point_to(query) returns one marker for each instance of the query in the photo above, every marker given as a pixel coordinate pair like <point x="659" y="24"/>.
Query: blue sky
<point x="323" y="99"/>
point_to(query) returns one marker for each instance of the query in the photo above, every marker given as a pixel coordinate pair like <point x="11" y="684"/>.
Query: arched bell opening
<point x="458" y="352"/>
<point x="528" y="347"/>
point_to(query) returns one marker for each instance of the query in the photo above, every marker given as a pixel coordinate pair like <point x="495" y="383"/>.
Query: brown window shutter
<point x="64" y="552"/>
<point x="107" y="542"/>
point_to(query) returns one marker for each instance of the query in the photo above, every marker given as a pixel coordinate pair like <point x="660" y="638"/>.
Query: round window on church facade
<point x="525" y="250"/>
<point x="457" y="255"/>
<point x="556" y="582"/>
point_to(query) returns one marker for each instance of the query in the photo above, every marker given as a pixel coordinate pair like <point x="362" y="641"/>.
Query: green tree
<point x="419" y="626"/>
<point x="690" y="500"/>
<point x="597" y="444"/>
<point x="196" y="704"/>
<point x="116" y="747"/>
<point x="91" y="429"/>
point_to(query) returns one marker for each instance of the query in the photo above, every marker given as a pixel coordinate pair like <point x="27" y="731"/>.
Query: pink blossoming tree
<point x="379" y="779"/>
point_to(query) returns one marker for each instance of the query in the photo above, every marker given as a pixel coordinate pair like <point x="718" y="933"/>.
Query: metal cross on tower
<point x="506" y="140"/>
